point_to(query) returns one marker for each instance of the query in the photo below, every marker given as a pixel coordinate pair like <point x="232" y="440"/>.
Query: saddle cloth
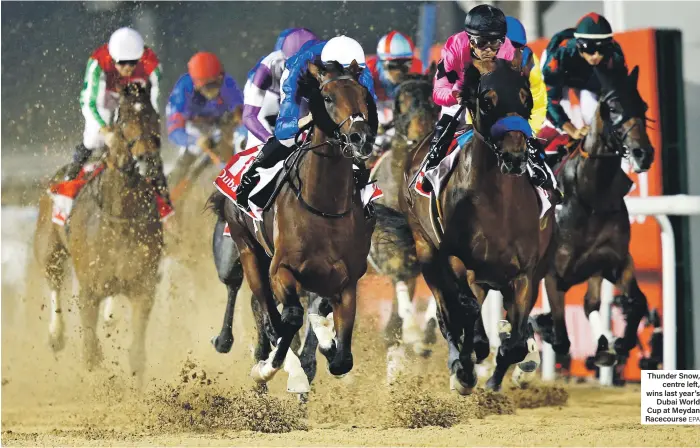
<point x="63" y="194"/>
<point x="230" y="177"/>
<point x="439" y="174"/>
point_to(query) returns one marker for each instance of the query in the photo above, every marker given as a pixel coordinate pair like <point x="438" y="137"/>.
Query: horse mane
<point x="216" y="203"/>
<point x="624" y="86"/>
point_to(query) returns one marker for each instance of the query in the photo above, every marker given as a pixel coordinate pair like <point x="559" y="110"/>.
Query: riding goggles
<point x="130" y="63"/>
<point x="593" y="46"/>
<point x="486" y="42"/>
<point x="398" y="64"/>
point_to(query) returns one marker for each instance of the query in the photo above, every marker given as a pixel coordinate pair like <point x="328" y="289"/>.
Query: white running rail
<point x="660" y="207"/>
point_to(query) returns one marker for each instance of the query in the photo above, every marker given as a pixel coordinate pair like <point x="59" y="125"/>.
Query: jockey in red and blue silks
<point x="293" y="107"/>
<point x="262" y="90"/>
<point x="394" y="59"/>
<point x="200" y="103"/>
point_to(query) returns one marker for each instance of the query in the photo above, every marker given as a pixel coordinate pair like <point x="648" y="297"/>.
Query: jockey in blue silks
<point x="341" y="49"/>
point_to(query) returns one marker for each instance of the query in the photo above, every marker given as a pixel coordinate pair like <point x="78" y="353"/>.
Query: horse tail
<point x="216" y="203"/>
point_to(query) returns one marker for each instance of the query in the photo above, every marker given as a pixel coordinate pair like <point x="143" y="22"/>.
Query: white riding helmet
<point x="344" y="50"/>
<point x="126" y="44"/>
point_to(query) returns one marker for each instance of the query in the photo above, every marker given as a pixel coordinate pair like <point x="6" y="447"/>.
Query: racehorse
<point x="393" y="251"/>
<point x="320" y="235"/>
<point x="487" y="232"/>
<point x="114" y="235"/>
<point x="593" y="228"/>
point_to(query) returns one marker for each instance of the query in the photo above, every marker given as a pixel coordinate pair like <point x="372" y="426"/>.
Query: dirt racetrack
<point x="197" y="397"/>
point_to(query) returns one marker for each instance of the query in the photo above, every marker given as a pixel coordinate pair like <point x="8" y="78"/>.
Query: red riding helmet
<point x="204" y="67"/>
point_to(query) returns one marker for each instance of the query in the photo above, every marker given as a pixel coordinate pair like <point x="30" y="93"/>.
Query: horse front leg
<point x="518" y="300"/>
<point x="634" y="306"/>
<point x="604" y="354"/>
<point x="552" y="327"/>
<point x="463" y="376"/>
<point x="141" y="306"/>
<point x="285" y="287"/>
<point x="89" y="305"/>
<point x="344" y="309"/>
<point x="51" y="257"/>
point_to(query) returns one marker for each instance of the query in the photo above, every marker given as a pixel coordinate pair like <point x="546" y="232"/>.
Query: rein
<point x="339" y="139"/>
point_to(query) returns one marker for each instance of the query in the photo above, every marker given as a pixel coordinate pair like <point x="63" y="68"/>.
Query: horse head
<point x="138" y="127"/>
<point x="341" y="107"/>
<point x="500" y="103"/>
<point x="415" y="113"/>
<point x="622" y="112"/>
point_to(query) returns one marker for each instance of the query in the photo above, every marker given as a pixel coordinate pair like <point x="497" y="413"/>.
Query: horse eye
<point x="327" y="99"/>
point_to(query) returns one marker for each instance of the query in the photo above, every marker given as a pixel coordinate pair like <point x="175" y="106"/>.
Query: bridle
<point x="334" y="137"/>
<point x="612" y="139"/>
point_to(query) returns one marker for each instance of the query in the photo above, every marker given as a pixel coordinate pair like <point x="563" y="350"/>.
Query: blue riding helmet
<point x="515" y="31"/>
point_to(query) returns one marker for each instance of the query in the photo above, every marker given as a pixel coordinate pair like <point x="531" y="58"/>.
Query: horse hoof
<point x="430" y="333"/>
<point x="330" y="352"/>
<point x="222" y="344"/>
<point x="493" y="384"/>
<point x="457" y="386"/>
<point x="340" y="368"/>
<point x="420" y="349"/>
<point x="262" y="372"/>
<point x="298" y="384"/>
<point x="605" y="359"/>
<point x="522" y="377"/>
<point x="604" y="355"/>
<point x="303" y="398"/>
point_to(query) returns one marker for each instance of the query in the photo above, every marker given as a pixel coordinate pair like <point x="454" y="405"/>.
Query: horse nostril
<point x="356" y="138"/>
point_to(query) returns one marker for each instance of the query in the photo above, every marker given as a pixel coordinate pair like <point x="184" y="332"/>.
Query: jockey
<point x="542" y="174"/>
<point x="569" y="63"/>
<point x="484" y="38"/>
<point x="125" y="59"/>
<point x="202" y="100"/>
<point x="262" y="90"/>
<point x="394" y="59"/>
<point x="341" y="49"/>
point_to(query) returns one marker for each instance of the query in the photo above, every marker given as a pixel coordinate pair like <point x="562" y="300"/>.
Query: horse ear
<point x="355" y="69"/>
<point x="317" y="71"/>
<point x="634" y="75"/>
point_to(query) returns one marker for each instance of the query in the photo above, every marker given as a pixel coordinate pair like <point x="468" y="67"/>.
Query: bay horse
<point x="593" y="227"/>
<point x="493" y="236"/>
<point x="320" y="235"/>
<point x="114" y="235"/>
<point x="393" y="251"/>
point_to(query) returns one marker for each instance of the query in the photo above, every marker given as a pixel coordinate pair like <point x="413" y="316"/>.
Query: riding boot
<point x="361" y="177"/>
<point x="542" y="176"/>
<point x="442" y="136"/>
<point x="80" y="156"/>
<point x="269" y="156"/>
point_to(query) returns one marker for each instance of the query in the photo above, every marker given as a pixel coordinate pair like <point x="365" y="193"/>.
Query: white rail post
<point x="549" y="367"/>
<point x="607" y="292"/>
<point x="668" y="257"/>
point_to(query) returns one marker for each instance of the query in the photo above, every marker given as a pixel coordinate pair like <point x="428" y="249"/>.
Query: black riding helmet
<point x="486" y="21"/>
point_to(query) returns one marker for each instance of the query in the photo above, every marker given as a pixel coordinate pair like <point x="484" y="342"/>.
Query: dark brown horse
<point x="393" y="251"/>
<point x="493" y="236"/>
<point x="317" y="225"/>
<point x="593" y="228"/>
<point x="114" y="234"/>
